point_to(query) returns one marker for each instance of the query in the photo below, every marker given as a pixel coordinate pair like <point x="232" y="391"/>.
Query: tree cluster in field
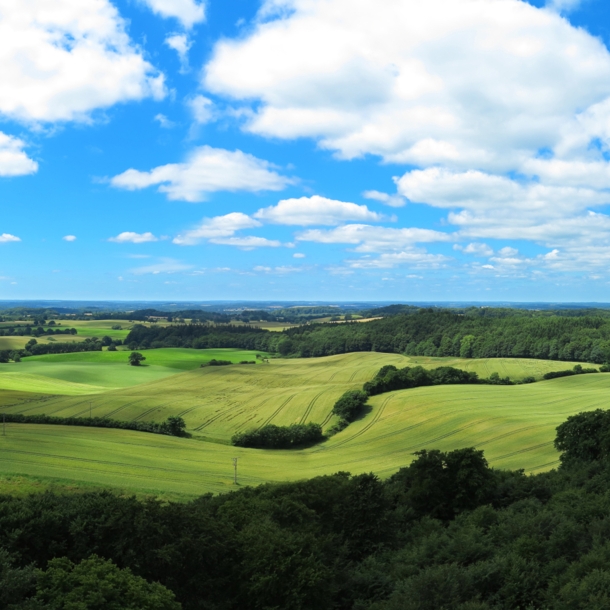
<point x="447" y="531"/>
<point x="280" y="437"/>
<point x="38" y="349"/>
<point x="172" y="426"/>
<point x="390" y="378"/>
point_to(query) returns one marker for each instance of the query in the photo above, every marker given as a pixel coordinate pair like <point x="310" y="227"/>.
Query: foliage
<point x="173" y="426"/>
<point x="350" y="405"/>
<point x="585" y="437"/>
<point x="98" y="584"/>
<point x="389" y="378"/>
<point x="577" y="370"/>
<point x="280" y="437"/>
<point x="215" y="362"/>
<point x="445" y="532"/>
<point x="136" y="358"/>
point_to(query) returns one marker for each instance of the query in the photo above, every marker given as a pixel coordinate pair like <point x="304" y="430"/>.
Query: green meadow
<point x="513" y="424"/>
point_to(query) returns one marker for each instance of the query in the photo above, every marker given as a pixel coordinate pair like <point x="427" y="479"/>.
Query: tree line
<point x="447" y="531"/>
<point x="477" y="333"/>
<point x="172" y="426"/>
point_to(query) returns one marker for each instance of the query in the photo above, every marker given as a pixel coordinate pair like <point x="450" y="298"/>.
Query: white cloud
<point x="395" y="201"/>
<point x="181" y="44"/>
<point x="563" y="5"/>
<point x="298" y="255"/>
<point x="167" y="265"/>
<point x="218" y="227"/>
<point x="69" y="237"/>
<point x="202" y="109"/>
<point x="188" y="12"/>
<point x="7" y="238"/>
<point x="61" y="60"/>
<point x="367" y="238"/>
<point x="129" y="237"/>
<point x="283" y="270"/>
<point x="411" y="258"/>
<point x="483" y="84"/>
<point x="247" y="243"/>
<point x="206" y="171"/>
<point x="164" y="122"/>
<point x="13" y="161"/>
<point x="316" y="210"/>
<point x="477" y="249"/>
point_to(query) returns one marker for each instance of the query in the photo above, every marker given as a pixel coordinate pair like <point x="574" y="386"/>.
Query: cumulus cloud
<point x="206" y="170"/>
<point x="69" y="238"/>
<point x="187" y="12"/>
<point x="61" y="60"/>
<point x="129" y="237"/>
<point x="13" y="160"/>
<point x="164" y="122"/>
<point x="395" y="201"/>
<point x="412" y="258"/>
<point x="367" y="238"/>
<point x="181" y="44"/>
<point x="202" y="109"/>
<point x="218" y="227"/>
<point x="563" y="5"/>
<point x="6" y="238"/>
<point x="247" y="243"/>
<point x="316" y="210"/>
<point x="456" y="82"/>
<point x="221" y="230"/>
<point x="477" y="249"/>
<point x="282" y="270"/>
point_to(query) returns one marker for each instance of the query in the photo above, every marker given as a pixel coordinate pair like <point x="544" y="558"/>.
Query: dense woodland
<point x="476" y="333"/>
<point x="446" y="532"/>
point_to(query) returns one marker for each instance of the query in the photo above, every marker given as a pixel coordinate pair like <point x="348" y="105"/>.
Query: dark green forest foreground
<point x="474" y="333"/>
<point x="447" y="532"/>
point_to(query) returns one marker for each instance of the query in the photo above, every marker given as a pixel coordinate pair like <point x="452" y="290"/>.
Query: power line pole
<point x="235" y="467"/>
<point x="3" y="425"/>
<point x="89" y="410"/>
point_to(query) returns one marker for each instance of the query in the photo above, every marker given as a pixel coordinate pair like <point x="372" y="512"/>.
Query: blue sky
<point x="305" y="149"/>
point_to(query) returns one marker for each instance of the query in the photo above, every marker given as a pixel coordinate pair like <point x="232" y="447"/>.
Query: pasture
<point x="513" y="424"/>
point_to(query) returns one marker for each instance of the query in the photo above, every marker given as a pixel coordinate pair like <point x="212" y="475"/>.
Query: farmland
<point x="513" y="424"/>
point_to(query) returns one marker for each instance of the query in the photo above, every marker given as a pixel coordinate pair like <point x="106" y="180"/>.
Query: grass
<point x="513" y="424"/>
<point x="95" y="372"/>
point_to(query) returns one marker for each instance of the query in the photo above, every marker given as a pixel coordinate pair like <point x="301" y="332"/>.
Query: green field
<point x="513" y="424"/>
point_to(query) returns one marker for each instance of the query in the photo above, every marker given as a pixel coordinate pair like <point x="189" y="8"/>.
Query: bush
<point x="214" y="362"/>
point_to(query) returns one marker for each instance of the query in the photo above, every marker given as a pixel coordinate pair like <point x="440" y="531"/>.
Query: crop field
<point x="513" y="424"/>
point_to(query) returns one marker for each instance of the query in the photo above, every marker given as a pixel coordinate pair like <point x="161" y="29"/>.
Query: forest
<point x="447" y="531"/>
<point x="476" y="333"/>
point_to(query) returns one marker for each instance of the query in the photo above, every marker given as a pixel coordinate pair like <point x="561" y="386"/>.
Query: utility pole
<point x="235" y="467"/>
<point x="3" y="424"/>
<point x="89" y="410"/>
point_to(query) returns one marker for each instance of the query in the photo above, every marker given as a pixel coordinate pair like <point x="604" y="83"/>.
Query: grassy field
<point x="94" y="372"/>
<point x="513" y="424"/>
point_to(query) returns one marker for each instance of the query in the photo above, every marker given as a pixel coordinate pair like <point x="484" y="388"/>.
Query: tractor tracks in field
<point x="366" y="428"/>
<point x="277" y="411"/>
<point x="307" y="412"/>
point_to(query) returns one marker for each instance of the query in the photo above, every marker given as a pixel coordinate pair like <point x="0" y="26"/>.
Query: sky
<point x="382" y="150"/>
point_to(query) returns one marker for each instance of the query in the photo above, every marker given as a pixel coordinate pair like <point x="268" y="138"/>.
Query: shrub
<point x="280" y="437"/>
